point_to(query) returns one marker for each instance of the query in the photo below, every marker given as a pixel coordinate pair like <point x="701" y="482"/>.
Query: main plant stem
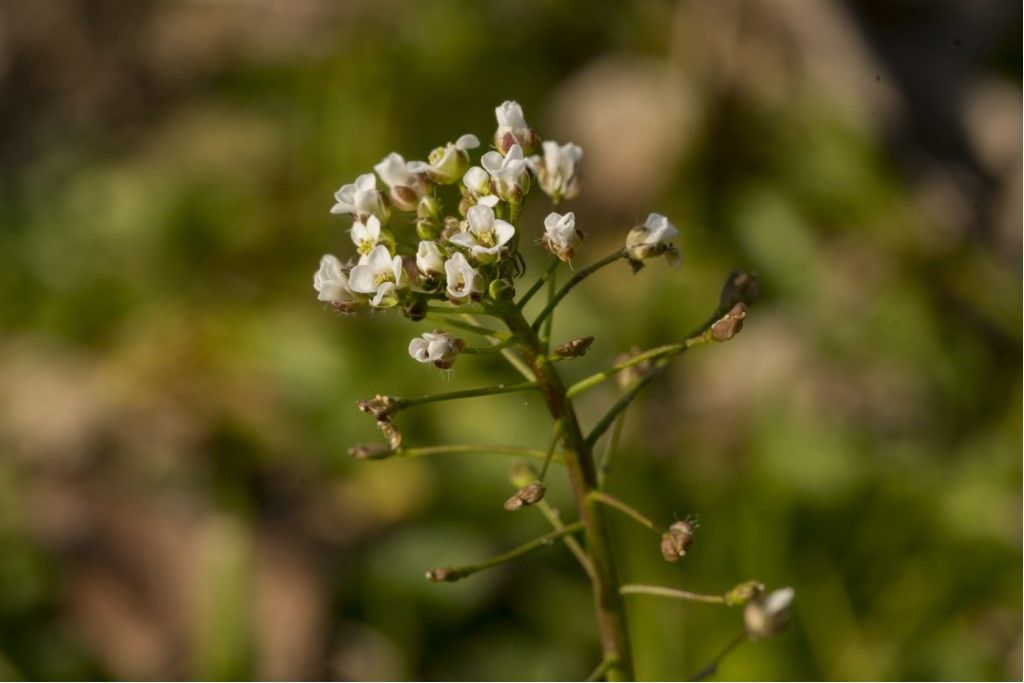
<point x="579" y="461"/>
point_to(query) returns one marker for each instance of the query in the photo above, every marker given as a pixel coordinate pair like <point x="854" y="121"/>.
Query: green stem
<point x="611" y="450"/>
<point x="579" y="462"/>
<point x="573" y="281"/>
<point x="600" y="670"/>
<point x="508" y="354"/>
<point x="485" y="331"/>
<point x="622" y="403"/>
<point x="461" y="310"/>
<point x="556" y="434"/>
<point x="626" y="509"/>
<point x="456" y="573"/>
<point x="712" y="666"/>
<point x="555" y="520"/>
<point x="535" y="287"/>
<point x="666" y="351"/>
<point x="661" y="591"/>
<point x="474" y="448"/>
<point x="403" y="403"/>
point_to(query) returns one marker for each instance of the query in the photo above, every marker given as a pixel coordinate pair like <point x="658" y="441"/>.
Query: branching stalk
<point x="573" y="281"/>
<point x="456" y="573"/>
<point x="661" y="591"/>
<point x="626" y="509"/>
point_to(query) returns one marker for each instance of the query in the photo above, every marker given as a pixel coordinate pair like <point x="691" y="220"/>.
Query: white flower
<point x="446" y="164"/>
<point x="361" y="199"/>
<point x="508" y="173"/>
<point x="463" y="279"/>
<point x="406" y="186"/>
<point x="556" y="171"/>
<point x="653" y="239"/>
<point x="477" y="183"/>
<point x="768" y="615"/>
<point x="429" y="258"/>
<point x="437" y="347"/>
<point x="485" y="235"/>
<point x="331" y="284"/>
<point x="379" y="274"/>
<point x="560" y="235"/>
<point x="367" y="235"/>
<point x="512" y="127"/>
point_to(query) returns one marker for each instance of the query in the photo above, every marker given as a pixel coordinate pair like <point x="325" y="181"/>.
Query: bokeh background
<point x="175" y="406"/>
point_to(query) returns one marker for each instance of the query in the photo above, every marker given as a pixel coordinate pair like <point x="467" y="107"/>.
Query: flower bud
<point x="574" y="348"/>
<point x="677" y="540"/>
<point x="740" y="287"/>
<point x="744" y="593"/>
<point x="501" y="290"/>
<point x="560" y="235"/>
<point x="429" y="207"/>
<point x="767" y="615"/>
<point x="512" y="128"/>
<point x="371" y="451"/>
<point x="415" y="310"/>
<point x="729" y="325"/>
<point x="528" y="495"/>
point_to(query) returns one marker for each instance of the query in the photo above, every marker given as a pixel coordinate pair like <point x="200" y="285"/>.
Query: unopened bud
<point x="427" y="228"/>
<point x="371" y="451"/>
<point x="574" y="348"/>
<point x="744" y="593"/>
<point x="528" y="495"/>
<point x="415" y="310"/>
<point x="443" y="574"/>
<point x="677" y="540"/>
<point x="379" y="406"/>
<point x="767" y="615"/>
<point x="740" y="287"/>
<point x="501" y="290"/>
<point x="729" y="325"/>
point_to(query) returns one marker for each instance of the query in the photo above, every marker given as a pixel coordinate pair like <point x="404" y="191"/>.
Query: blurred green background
<point x="175" y="496"/>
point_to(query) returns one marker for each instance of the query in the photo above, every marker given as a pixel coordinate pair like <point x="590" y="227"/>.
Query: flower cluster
<point x="469" y="255"/>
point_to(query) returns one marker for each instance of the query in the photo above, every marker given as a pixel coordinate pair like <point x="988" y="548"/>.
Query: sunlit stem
<point x="403" y="403"/>
<point x="456" y="573"/>
<point x="535" y="287"/>
<point x="480" y="449"/>
<point x="624" y="508"/>
<point x="712" y="666"/>
<point x="573" y="281"/>
<point x="666" y="351"/>
<point x="662" y="591"/>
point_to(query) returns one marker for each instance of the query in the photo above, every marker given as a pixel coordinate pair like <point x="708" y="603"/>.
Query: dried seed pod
<point x="729" y="325"/>
<point x="371" y="451"/>
<point x="574" y="348"/>
<point x="528" y="495"/>
<point x="677" y="540"/>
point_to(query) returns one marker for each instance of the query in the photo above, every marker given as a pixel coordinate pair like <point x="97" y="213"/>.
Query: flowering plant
<point x="464" y="268"/>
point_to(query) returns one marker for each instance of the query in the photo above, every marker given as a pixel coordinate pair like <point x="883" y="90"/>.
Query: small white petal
<point x="467" y="141"/>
